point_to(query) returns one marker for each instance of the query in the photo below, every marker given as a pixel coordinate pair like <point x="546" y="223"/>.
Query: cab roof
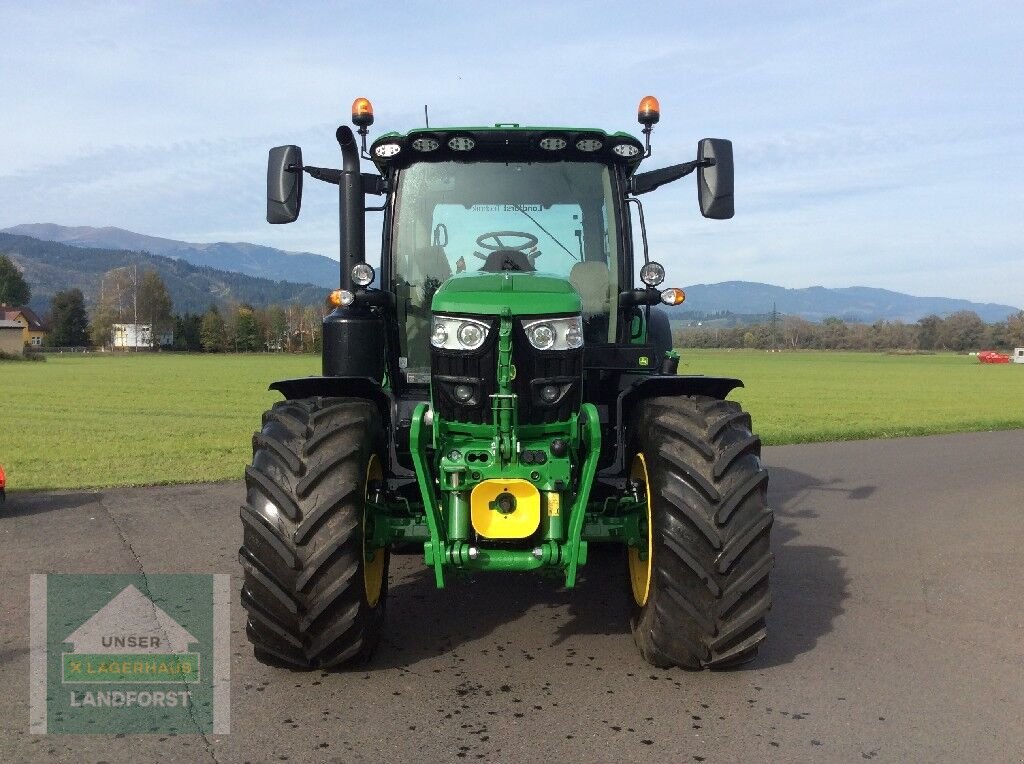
<point x="508" y="142"/>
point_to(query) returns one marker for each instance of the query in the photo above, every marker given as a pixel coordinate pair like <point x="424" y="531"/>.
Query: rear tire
<point x="312" y="597"/>
<point x="704" y="601"/>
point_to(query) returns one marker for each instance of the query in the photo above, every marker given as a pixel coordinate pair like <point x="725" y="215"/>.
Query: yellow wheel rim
<point x="373" y="559"/>
<point x="640" y="569"/>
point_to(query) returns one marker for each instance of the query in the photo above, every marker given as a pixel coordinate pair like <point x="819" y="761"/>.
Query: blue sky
<point x="876" y="144"/>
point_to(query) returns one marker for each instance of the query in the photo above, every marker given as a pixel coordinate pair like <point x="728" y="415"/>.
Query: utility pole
<point x="135" y="304"/>
<point x="775" y="323"/>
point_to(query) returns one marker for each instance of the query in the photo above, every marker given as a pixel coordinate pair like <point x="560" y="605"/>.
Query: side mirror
<point x="714" y="184"/>
<point x="284" y="184"/>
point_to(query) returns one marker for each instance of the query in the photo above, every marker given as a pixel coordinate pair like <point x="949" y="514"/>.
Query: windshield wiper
<point x="545" y="230"/>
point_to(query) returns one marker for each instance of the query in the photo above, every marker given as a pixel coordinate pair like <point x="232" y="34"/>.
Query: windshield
<point x="552" y="217"/>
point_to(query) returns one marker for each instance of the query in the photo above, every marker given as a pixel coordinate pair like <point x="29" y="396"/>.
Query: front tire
<point x="314" y="595"/>
<point x="700" y="592"/>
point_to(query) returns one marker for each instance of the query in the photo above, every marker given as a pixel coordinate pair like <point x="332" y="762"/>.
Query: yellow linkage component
<point x="373" y="569"/>
<point x="640" y="570"/>
<point x="492" y="523"/>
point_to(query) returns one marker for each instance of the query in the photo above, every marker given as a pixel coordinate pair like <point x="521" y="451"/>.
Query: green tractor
<point x="503" y="398"/>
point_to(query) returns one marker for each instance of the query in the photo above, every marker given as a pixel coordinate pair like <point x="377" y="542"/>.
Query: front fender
<point x="351" y="387"/>
<point x="651" y="387"/>
<point x="336" y="387"/>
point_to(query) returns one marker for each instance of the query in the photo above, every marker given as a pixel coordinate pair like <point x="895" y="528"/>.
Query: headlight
<point x="652" y="274"/>
<point x="387" y="150"/>
<point x="542" y="336"/>
<point x="362" y="274"/>
<point x="453" y="333"/>
<point x="471" y="335"/>
<point x="439" y="336"/>
<point x="555" y="333"/>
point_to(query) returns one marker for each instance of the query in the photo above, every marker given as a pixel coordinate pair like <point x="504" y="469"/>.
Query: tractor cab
<point x="505" y="213"/>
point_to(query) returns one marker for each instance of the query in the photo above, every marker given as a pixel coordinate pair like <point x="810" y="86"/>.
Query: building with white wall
<point x="135" y="336"/>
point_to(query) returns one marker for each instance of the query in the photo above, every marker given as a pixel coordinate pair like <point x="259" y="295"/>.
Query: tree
<point x="116" y="304"/>
<point x="69" y="325"/>
<point x="314" y="319"/>
<point x="188" y="332"/>
<point x="277" y="329"/>
<point x="211" y="331"/>
<point x="1015" y="330"/>
<point x="247" y="336"/>
<point x="834" y="334"/>
<point x="796" y="332"/>
<point x="155" y="304"/>
<point x="14" y="290"/>
<point x="230" y="316"/>
<point x="928" y="330"/>
<point x="888" y="335"/>
<point x="962" y="331"/>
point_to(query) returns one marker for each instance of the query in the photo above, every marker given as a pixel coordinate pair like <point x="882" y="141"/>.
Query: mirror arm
<point x="635" y="297"/>
<point x="643" y="225"/>
<point x="325" y="174"/>
<point x="648" y="181"/>
<point x="375" y="298"/>
<point x="372" y="184"/>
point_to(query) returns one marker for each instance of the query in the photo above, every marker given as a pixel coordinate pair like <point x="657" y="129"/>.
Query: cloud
<point x="876" y="143"/>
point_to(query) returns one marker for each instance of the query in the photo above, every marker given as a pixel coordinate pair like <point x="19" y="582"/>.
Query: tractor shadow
<point x="523" y="613"/>
<point x="809" y="582"/>
<point x="25" y="504"/>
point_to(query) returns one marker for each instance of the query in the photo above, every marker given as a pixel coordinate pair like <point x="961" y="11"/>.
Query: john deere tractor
<point x="503" y="396"/>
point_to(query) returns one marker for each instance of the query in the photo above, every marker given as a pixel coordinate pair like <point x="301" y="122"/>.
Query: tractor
<point x="503" y="396"/>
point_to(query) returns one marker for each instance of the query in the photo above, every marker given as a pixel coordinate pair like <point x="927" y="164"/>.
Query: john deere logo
<point x="130" y="653"/>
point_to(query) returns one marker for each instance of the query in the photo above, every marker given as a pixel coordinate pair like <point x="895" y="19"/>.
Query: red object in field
<point x="990" y="356"/>
<point x="3" y="484"/>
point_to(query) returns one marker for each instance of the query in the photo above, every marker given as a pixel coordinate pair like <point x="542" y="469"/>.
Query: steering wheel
<point x="529" y="241"/>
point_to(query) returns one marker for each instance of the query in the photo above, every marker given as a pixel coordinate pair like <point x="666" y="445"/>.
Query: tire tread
<point x="303" y="590"/>
<point x="709" y="592"/>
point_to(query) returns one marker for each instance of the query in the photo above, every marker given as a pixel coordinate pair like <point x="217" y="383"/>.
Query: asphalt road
<point x="897" y="632"/>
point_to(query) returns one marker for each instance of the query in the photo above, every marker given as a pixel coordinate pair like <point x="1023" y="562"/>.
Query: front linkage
<point x="506" y="481"/>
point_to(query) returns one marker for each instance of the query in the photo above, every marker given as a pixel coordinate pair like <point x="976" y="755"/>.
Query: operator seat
<point x="592" y="281"/>
<point x="428" y="269"/>
<point x="507" y="260"/>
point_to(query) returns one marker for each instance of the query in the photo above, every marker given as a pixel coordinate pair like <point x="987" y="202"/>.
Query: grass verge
<point x="96" y="421"/>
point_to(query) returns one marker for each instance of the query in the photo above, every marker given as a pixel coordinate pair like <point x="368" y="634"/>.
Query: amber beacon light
<point x="649" y="112"/>
<point x="362" y="112"/>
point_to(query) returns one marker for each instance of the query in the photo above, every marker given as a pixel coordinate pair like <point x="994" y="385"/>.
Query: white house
<point x="11" y="341"/>
<point x="138" y="336"/>
<point x="1018" y="355"/>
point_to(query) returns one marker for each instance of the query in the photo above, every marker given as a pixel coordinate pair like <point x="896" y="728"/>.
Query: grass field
<point x="91" y="421"/>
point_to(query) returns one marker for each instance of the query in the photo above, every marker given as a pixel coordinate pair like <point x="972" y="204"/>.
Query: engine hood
<point x="488" y="294"/>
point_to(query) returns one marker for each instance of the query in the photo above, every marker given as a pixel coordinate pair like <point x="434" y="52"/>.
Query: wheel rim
<point x="640" y="569"/>
<point x="373" y="568"/>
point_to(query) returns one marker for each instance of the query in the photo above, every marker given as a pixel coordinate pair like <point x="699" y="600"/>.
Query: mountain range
<point x="198" y="274"/>
<point x="853" y="304"/>
<point x="50" y="267"/>
<point x="236" y="257"/>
